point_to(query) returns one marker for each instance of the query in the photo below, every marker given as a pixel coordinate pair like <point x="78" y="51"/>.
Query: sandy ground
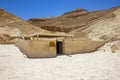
<point x="94" y="66"/>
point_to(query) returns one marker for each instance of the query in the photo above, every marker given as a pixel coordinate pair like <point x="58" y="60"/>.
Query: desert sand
<point x="99" y="65"/>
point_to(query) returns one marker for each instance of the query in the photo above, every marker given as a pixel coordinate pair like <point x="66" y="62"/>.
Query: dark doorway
<point x="59" y="47"/>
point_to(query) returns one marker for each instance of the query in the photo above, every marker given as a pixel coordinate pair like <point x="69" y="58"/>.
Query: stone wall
<point x="73" y="46"/>
<point x="38" y="48"/>
<point x="46" y="48"/>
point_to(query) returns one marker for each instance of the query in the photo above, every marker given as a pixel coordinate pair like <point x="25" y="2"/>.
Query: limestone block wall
<point x="22" y="45"/>
<point x="73" y="46"/>
<point x="38" y="48"/>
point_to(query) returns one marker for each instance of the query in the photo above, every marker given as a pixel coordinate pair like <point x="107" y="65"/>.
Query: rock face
<point x="101" y="24"/>
<point x="75" y="13"/>
<point x="60" y="23"/>
<point x="69" y="21"/>
<point x="106" y="28"/>
<point x="12" y="25"/>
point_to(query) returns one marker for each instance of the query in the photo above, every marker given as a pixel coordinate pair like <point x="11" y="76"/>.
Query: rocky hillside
<point x="107" y="29"/>
<point x="10" y="25"/>
<point x="69" y="21"/>
<point x="99" y="25"/>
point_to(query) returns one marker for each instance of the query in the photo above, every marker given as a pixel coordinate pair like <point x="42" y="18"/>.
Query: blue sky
<point x="48" y="8"/>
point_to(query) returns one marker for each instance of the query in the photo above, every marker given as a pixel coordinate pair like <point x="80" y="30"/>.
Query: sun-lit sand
<point x="90" y="66"/>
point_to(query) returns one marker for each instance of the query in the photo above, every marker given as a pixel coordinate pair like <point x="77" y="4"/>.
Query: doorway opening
<point x="59" y="47"/>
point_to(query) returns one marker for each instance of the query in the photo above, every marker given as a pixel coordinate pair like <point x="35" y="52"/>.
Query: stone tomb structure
<point x="50" y="45"/>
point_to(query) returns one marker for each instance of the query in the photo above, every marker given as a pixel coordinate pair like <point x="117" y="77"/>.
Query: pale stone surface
<point x="94" y="66"/>
<point x="42" y="48"/>
<point x="38" y="48"/>
<point x="73" y="46"/>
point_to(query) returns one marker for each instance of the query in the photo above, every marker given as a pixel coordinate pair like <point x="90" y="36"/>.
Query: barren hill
<point x="10" y="25"/>
<point x="107" y="29"/>
<point x="72" y="20"/>
<point x="101" y="24"/>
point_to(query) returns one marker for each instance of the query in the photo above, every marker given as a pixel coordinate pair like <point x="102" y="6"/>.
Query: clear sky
<point x="48" y="8"/>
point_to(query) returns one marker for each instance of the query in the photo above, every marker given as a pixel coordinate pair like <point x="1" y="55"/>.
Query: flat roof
<point x="46" y="35"/>
<point x="51" y="35"/>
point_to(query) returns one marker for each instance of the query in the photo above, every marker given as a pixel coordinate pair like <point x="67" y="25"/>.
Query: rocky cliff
<point x="72" y="20"/>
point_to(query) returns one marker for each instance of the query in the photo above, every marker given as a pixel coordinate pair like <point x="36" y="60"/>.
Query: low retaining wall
<point x="38" y="48"/>
<point x="47" y="48"/>
<point x="73" y="46"/>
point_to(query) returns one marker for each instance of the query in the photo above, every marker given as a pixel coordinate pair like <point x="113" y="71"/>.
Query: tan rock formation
<point x="76" y="19"/>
